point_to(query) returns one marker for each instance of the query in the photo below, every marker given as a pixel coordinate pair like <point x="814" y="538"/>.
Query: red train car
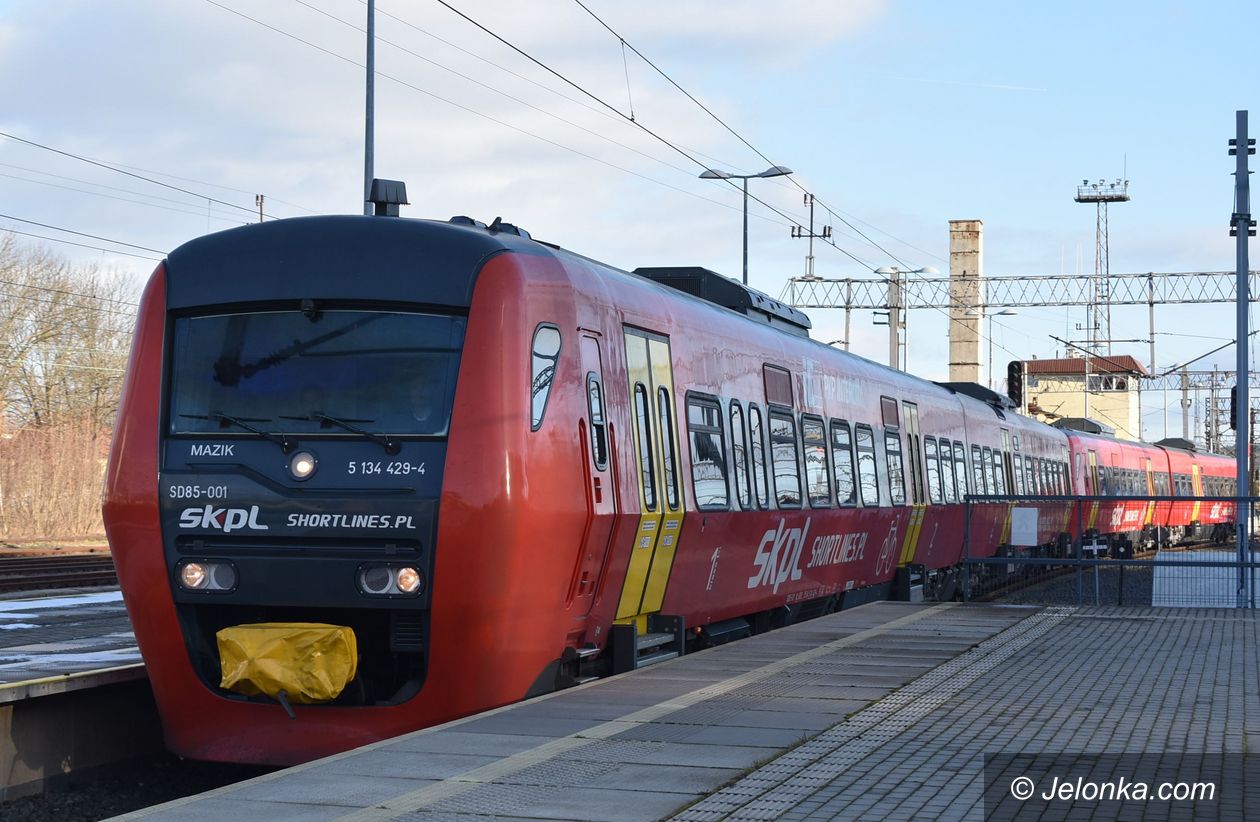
<point x="504" y="467"/>
<point x="1108" y="467"/>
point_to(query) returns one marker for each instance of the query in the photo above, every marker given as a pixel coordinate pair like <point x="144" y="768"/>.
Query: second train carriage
<point x="500" y="465"/>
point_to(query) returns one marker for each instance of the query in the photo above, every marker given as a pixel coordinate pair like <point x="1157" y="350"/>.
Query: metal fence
<point x="1068" y="550"/>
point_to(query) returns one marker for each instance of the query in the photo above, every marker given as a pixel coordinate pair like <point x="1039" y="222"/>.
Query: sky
<point x="898" y="116"/>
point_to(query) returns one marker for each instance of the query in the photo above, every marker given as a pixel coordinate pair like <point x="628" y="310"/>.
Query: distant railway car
<point x="479" y="467"/>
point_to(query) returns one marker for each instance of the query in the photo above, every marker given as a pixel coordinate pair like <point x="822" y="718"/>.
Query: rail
<point x="69" y="571"/>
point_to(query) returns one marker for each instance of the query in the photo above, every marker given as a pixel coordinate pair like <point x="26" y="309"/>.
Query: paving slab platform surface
<point x="882" y="712"/>
<point x="65" y="641"/>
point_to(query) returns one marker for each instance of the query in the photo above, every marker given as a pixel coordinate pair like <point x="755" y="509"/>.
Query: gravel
<point x="124" y="788"/>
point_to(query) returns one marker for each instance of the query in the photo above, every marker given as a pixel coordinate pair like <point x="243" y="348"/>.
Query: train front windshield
<point x="292" y="372"/>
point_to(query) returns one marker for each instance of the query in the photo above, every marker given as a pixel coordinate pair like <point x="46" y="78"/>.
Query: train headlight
<point x="219" y="577"/>
<point x="389" y="580"/>
<point x="193" y="576"/>
<point x="302" y="465"/>
<point x="408" y="580"/>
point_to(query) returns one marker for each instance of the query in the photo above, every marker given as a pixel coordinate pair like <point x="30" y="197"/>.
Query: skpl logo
<point x="225" y="519"/>
<point x="779" y="556"/>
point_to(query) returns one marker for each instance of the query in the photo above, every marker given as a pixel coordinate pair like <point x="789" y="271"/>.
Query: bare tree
<point x="65" y="332"/>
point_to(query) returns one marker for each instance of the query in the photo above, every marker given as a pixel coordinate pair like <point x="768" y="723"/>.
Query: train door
<point x="1150" y="489"/>
<point x="651" y="386"/>
<point x="1094" y="490"/>
<point x="601" y="485"/>
<point x="1196" y="487"/>
<point x="918" y="496"/>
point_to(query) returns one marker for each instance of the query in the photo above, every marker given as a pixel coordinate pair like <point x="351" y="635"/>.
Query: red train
<point x="506" y="467"/>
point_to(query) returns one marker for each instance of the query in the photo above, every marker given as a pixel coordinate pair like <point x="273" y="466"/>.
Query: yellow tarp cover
<point x="310" y="662"/>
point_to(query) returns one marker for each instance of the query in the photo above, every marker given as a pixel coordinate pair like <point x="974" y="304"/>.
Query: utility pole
<point x="1185" y="405"/>
<point x="1242" y="227"/>
<point x="798" y="232"/>
<point x="894" y="319"/>
<point x="258" y="201"/>
<point x="369" y="138"/>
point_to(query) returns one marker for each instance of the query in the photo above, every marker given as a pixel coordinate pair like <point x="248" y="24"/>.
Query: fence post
<point x="1080" y="542"/>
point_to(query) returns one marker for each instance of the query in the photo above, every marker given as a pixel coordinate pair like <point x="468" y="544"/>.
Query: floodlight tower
<point x="1098" y="315"/>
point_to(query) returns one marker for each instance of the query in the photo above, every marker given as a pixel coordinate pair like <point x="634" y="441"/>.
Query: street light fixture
<point x="1005" y="312"/>
<point x="896" y="322"/>
<point x="718" y="174"/>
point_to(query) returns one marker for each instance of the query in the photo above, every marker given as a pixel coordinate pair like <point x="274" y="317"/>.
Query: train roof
<point x="375" y="259"/>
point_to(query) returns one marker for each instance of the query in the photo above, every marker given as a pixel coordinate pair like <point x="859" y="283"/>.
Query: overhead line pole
<point x="369" y="137"/>
<point x="1242" y="228"/>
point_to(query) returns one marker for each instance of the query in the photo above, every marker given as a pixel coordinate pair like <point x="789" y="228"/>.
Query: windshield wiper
<point x="390" y="446"/>
<point x="286" y="444"/>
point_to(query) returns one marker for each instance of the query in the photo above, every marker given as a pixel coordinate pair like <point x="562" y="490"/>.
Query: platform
<point x="61" y="642"/>
<point x="883" y="712"/>
<point x="642" y="745"/>
<point x="74" y="695"/>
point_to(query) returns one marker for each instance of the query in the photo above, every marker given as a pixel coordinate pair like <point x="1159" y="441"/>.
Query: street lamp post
<point x="718" y="174"/>
<point x="898" y="352"/>
<point x="1005" y="312"/>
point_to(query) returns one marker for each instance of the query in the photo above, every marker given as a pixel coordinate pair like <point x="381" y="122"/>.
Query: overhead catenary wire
<point x="123" y="171"/>
<point x="476" y="113"/>
<point x="80" y="245"/>
<point x="727" y="126"/>
<point x="80" y="233"/>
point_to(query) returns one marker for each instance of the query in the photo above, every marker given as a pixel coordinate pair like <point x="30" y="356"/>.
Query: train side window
<point x="670" y="460"/>
<point x="1018" y="475"/>
<point x="999" y="481"/>
<point x="949" y="484"/>
<point x="817" y="474"/>
<point x="787" y="472"/>
<point x="1045" y="477"/>
<point x="739" y="448"/>
<point x="760" y="483"/>
<point x="868" y="478"/>
<point x="1030" y="475"/>
<point x="842" y="462"/>
<point x="986" y="469"/>
<point x="936" y="493"/>
<point x="960" y="470"/>
<point x="708" y="456"/>
<point x="977" y="471"/>
<point x="896" y="472"/>
<point x="599" y="430"/>
<point x="647" y="471"/>
<point x="545" y="353"/>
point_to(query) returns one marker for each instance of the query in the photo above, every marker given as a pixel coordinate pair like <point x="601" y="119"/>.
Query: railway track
<point x="68" y="571"/>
